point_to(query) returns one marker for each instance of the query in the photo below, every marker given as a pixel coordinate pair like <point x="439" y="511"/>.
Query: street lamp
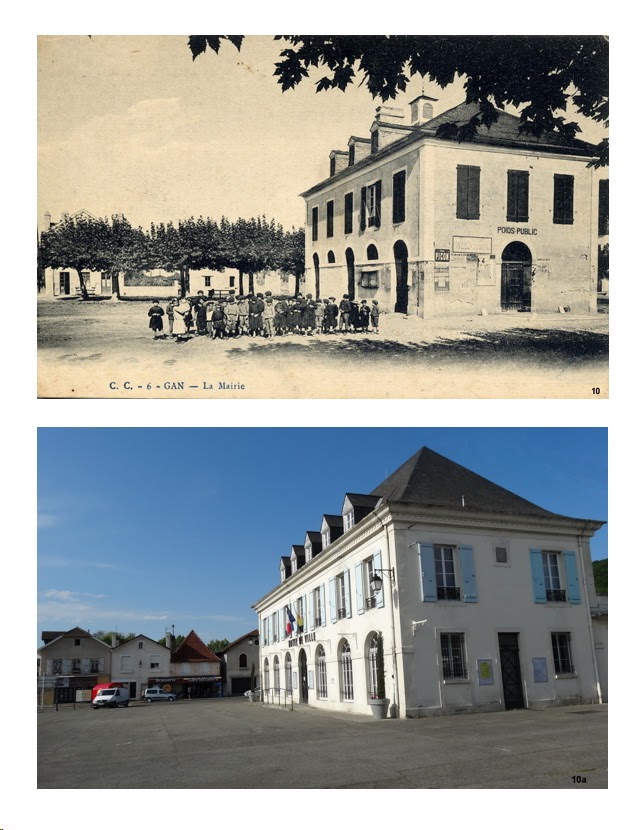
<point x="375" y="582"/>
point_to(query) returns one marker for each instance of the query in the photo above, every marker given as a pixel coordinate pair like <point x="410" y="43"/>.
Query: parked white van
<point x="111" y="697"/>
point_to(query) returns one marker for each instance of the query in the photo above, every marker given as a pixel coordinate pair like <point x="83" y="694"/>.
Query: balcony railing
<point x="342" y="613"/>
<point x="448" y="593"/>
<point x="318" y="622"/>
<point x="371" y="602"/>
<point x="556" y="595"/>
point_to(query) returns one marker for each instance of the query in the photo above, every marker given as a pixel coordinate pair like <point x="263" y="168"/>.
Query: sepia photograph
<point x="323" y="216"/>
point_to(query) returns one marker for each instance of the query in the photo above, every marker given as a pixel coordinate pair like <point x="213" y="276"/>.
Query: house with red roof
<point x="194" y="670"/>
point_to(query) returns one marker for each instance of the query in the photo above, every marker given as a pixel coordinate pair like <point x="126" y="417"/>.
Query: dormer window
<point x="349" y="520"/>
<point x="375" y="141"/>
<point x="352" y="154"/>
<point x="326" y="538"/>
<point x="308" y="553"/>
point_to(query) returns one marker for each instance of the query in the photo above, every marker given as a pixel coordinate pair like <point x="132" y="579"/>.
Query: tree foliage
<point x="539" y="75"/>
<point x="106" y="637"/>
<point x="601" y="575"/>
<point x="217" y="645"/>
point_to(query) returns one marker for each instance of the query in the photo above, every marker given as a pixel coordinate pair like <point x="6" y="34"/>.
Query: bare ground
<point x="101" y="349"/>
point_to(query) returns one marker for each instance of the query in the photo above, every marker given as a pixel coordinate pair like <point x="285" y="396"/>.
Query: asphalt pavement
<point x="230" y="743"/>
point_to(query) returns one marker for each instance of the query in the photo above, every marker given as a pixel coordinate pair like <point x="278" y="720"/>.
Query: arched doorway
<point x="304" y="682"/>
<point x="515" y="294"/>
<point x="351" y="273"/>
<point x="316" y="268"/>
<point x="401" y="256"/>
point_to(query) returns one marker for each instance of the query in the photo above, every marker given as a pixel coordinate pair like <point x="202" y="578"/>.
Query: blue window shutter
<point x="281" y="616"/>
<point x="359" y="597"/>
<point x="322" y="613"/>
<point x="332" y="600"/>
<point x="571" y="571"/>
<point x="537" y="575"/>
<point x="347" y="593"/>
<point x="312" y="614"/>
<point x="377" y="566"/>
<point x="305" y="619"/>
<point x="469" y="589"/>
<point x="428" y="572"/>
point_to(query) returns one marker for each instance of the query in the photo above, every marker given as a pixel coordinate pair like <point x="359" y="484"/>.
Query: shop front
<point x="190" y="688"/>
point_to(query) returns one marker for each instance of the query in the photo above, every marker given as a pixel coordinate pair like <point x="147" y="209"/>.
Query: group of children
<point x="262" y="315"/>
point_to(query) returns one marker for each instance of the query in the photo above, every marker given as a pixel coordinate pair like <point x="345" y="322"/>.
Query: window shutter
<point x="517" y="196"/>
<point x="571" y="572"/>
<point x="473" y="203"/>
<point x="347" y="593"/>
<point x="563" y="199"/>
<point x="332" y="600"/>
<point x="537" y="576"/>
<point x="281" y="623"/>
<point x="378" y="203"/>
<point x="399" y="196"/>
<point x="363" y="208"/>
<point x="305" y="619"/>
<point x="322" y="612"/>
<point x="312" y="613"/>
<point x="469" y="590"/>
<point x="359" y="595"/>
<point x="428" y="573"/>
<point x="377" y="566"/>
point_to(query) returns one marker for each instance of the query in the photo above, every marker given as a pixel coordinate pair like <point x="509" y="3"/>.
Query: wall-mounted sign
<point x="518" y="231"/>
<point x="442" y="255"/>
<point x="539" y="669"/>
<point x="472" y="244"/>
<point x="485" y="672"/>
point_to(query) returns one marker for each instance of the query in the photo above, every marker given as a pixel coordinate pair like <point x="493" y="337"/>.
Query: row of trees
<point x="105" y="636"/>
<point x="114" y="246"/>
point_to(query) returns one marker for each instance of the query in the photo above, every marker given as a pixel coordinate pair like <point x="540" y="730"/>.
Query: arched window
<point x="331" y="257"/>
<point x="321" y="672"/>
<point x="372" y="665"/>
<point x="372" y="252"/>
<point x="266" y="675"/>
<point x="346" y="672"/>
<point x="276" y="674"/>
<point x="288" y="673"/>
<point x="242" y="661"/>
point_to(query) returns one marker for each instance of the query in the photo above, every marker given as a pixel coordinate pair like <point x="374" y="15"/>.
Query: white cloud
<point x="72" y="596"/>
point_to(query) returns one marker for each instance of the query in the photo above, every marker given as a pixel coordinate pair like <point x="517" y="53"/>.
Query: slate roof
<point x="504" y="132"/>
<point x="361" y="499"/>
<point x="428" y="478"/>
<point x="193" y="649"/>
<point x="332" y="520"/>
<point x="251" y="634"/>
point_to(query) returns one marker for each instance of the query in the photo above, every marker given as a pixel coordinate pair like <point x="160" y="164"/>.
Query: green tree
<point x="539" y="75"/>
<point x="601" y="575"/>
<point x="217" y="645"/>
<point x="106" y="636"/>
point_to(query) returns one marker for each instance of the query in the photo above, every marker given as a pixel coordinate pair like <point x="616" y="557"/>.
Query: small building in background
<point x="237" y="659"/>
<point x="71" y="664"/>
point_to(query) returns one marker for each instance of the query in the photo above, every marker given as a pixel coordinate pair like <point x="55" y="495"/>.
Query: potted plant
<point x="253" y="696"/>
<point x="378" y="700"/>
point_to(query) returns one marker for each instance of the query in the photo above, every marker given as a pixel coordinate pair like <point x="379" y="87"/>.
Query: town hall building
<point x="429" y="226"/>
<point x="482" y="601"/>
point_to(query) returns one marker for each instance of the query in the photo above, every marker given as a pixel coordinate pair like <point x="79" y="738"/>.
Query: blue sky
<point x="144" y="528"/>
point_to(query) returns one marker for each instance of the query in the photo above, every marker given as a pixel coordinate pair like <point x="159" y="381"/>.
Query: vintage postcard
<point x="305" y="217"/>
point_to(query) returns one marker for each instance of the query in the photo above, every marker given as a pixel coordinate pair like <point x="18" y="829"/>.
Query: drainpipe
<point x="394" y="659"/>
<point x="590" y="621"/>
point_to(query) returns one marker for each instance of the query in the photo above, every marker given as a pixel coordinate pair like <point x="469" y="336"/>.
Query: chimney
<point x="47" y="221"/>
<point x="387" y="127"/>
<point x="421" y="110"/>
<point x="114" y="639"/>
<point x="390" y="115"/>
<point x="169" y="640"/>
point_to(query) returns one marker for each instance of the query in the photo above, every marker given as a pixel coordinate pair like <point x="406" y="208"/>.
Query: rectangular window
<point x="445" y="573"/>
<point x="314" y="224"/>
<point x="341" y="598"/>
<point x="154" y="661"/>
<point x="125" y="663"/>
<point x="317" y="607"/>
<point x="369" y="279"/>
<point x="326" y="538"/>
<point x="375" y="142"/>
<point x="562" y="200"/>
<point x="94" y="666"/>
<point x="56" y="667"/>
<point x="274" y="628"/>
<point x="207" y="282"/>
<point x="141" y="644"/>
<point x="349" y="520"/>
<point x="232" y="282"/>
<point x="551" y="570"/>
<point x="370" y="206"/>
<point x="352" y="154"/>
<point x="502" y="555"/>
<point x="561" y="644"/>
<point x="330" y="219"/>
<point x="348" y="213"/>
<point x="399" y="193"/>
<point x="454" y="666"/>
<point x="370" y="600"/>
<point x="468" y="192"/>
<point x="76" y="666"/>
<point x="517" y="196"/>
<point x="603" y="207"/>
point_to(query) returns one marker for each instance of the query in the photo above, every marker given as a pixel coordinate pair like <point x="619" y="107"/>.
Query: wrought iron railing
<point x="276" y="696"/>
<point x="448" y="593"/>
<point x="556" y="595"/>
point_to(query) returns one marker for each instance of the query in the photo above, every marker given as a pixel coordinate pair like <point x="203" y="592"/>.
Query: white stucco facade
<point x="497" y="612"/>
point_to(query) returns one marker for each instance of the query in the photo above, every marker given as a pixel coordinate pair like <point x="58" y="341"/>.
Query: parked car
<point x="157" y="694"/>
<point x="112" y="697"/>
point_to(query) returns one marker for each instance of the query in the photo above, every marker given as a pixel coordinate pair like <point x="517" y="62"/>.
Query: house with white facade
<point x="71" y="664"/>
<point x="136" y="660"/>
<point x="238" y="658"/>
<point x="484" y="601"/>
<point x="428" y="225"/>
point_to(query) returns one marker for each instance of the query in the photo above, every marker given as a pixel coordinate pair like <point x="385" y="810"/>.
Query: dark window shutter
<point x="603" y="207"/>
<point x="399" y="193"/>
<point x="378" y="203"/>
<point x="468" y="192"/>
<point x="330" y="219"/>
<point x="348" y="213"/>
<point x="363" y="208"/>
<point x="517" y="196"/>
<point x="314" y="224"/>
<point x="563" y="200"/>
